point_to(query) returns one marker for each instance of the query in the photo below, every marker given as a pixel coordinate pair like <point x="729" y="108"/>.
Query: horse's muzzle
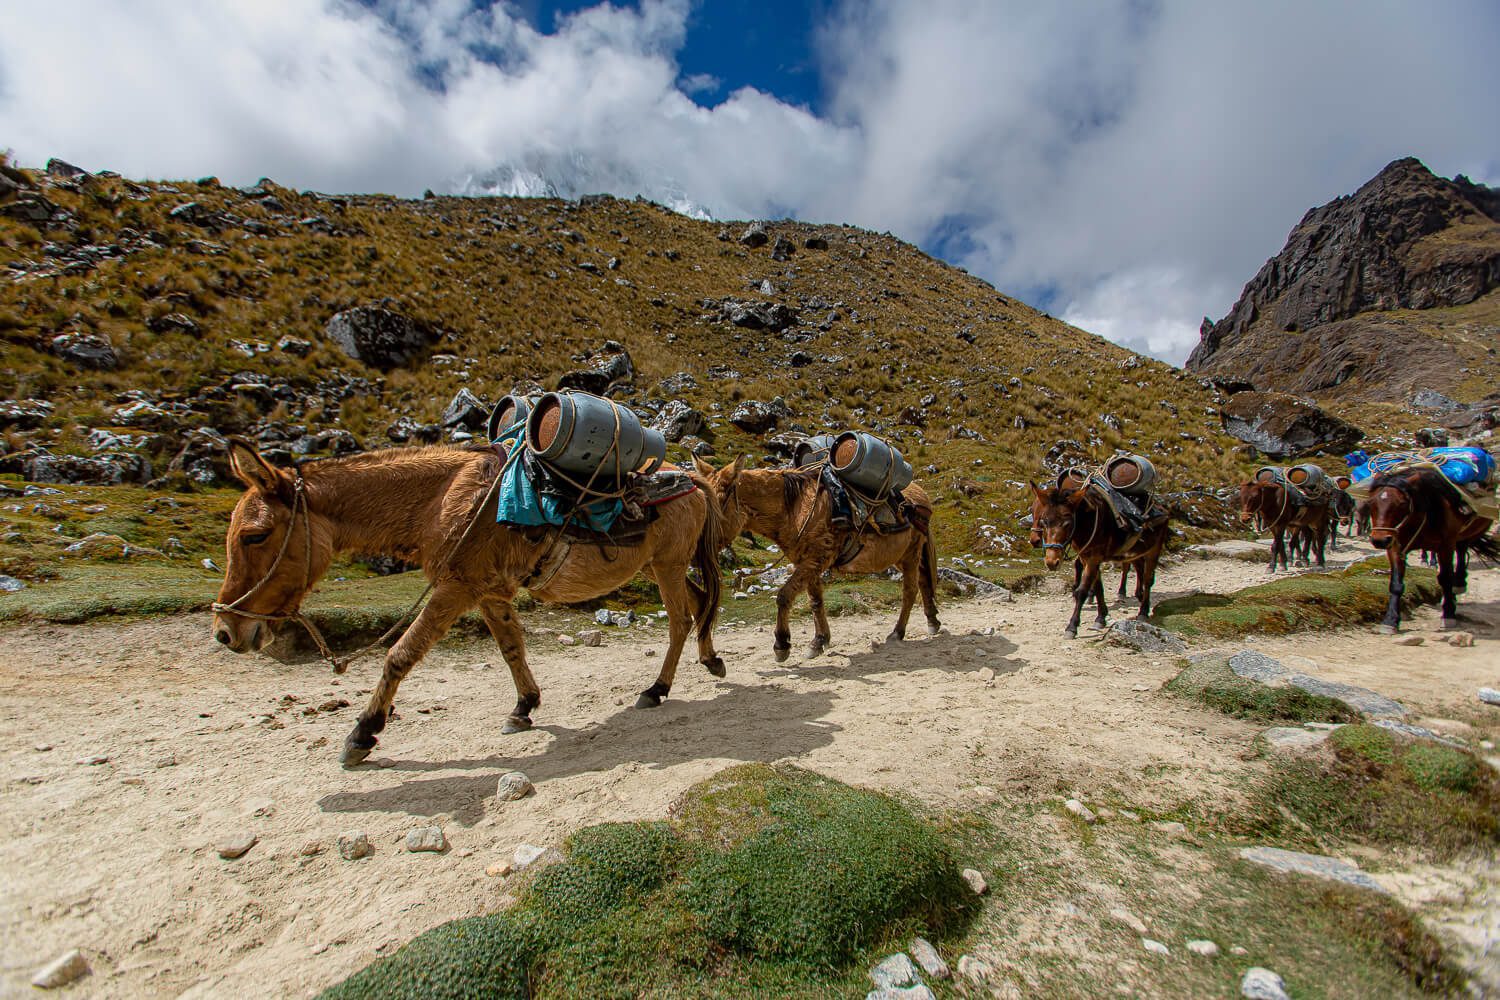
<point x="1383" y="542"/>
<point x="241" y="635"/>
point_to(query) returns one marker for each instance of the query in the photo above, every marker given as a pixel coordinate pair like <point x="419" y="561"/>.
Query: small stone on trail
<point x="353" y="846"/>
<point x="1263" y="984"/>
<point x="426" y="838"/>
<point x="591" y="637"/>
<point x="975" y="970"/>
<point x="928" y="958"/>
<point x="1155" y="947"/>
<point x="985" y="674"/>
<point x="976" y="881"/>
<point x="1489" y="696"/>
<point x="1080" y="810"/>
<point x="383" y="762"/>
<point x="236" y="845"/>
<point x="1408" y="640"/>
<point x="42" y="747"/>
<point x="527" y="855"/>
<point x="1123" y="916"/>
<point x="893" y="972"/>
<point x="1461" y="639"/>
<point x="91" y="761"/>
<point x="566" y="640"/>
<point x="312" y="849"/>
<point x="499" y="869"/>
<point x="69" y="968"/>
<point x="512" y="786"/>
<point x="1315" y="865"/>
<point x="1202" y="947"/>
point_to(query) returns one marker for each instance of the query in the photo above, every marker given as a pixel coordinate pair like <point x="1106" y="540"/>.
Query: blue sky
<point x="1124" y="164"/>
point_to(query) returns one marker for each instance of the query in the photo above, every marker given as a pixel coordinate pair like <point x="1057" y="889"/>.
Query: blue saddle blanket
<point x="1462" y="466"/>
<point x="520" y="502"/>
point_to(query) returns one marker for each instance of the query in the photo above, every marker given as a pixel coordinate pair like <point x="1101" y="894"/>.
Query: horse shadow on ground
<point x="945" y="651"/>
<point x="761" y="722"/>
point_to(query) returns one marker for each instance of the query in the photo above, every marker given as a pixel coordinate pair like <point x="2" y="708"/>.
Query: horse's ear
<point x="1036" y="490"/>
<point x="1076" y="499"/>
<point x="737" y="466"/>
<point x="703" y="468"/>
<point x="252" y="470"/>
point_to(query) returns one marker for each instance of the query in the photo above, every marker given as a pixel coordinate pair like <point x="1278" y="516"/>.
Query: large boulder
<point x="756" y="417"/>
<point x="379" y="337"/>
<point x="678" y="420"/>
<point x="24" y="414"/>
<point x="612" y="366"/>
<point x="465" y="410"/>
<point x="1285" y="426"/>
<point x="751" y="315"/>
<point x="110" y="469"/>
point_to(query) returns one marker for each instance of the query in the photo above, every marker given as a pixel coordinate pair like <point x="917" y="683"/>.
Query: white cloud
<point x="1132" y="162"/>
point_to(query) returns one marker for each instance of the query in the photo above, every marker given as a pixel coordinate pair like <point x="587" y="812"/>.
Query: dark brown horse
<point x="789" y="507"/>
<point x="1418" y="508"/>
<point x="1269" y="505"/>
<point x="1078" y="517"/>
<point x="436" y="506"/>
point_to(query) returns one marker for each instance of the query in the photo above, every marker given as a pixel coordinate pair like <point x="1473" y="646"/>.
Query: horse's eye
<point x="255" y="539"/>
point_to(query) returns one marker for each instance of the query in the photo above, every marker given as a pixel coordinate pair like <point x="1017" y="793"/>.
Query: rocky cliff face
<point x="1375" y="295"/>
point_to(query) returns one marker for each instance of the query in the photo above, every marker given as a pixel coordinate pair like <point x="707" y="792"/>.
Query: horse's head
<point x="272" y="554"/>
<point x="723" y="485"/>
<point x="1389" y="507"/>
<point x="1054" y="520"/>
<point x="1256" y="498"/>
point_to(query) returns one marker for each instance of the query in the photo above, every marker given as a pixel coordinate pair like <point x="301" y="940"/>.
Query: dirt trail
<point x="118" y="858"/>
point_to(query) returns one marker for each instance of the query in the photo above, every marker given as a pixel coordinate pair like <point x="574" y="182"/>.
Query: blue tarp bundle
<point x="1463" y="466"/>
<point x="520" y="502"/>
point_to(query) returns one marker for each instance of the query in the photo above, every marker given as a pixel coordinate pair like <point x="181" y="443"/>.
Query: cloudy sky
<point x="1124" y="164"/>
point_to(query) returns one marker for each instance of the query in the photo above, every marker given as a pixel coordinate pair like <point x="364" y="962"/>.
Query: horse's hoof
<point x="648" y="700"/>
<point x="896" y="636"/>
<point x="934" y="626"/>
<point x="781" y="653"/>
<point x="1449" y="624"/>
<point x="515" y="724"/>
<point x="353" y="756"/>
<point x="813" y="652"/>
<point x="1385" y="629"/>
<point x="1070" y="633"/>
<point x="715" y="666"/>
<point x="1463" y="589"/>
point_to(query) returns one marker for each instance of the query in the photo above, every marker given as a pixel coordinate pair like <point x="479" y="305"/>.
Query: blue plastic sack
<point x="1463" y="466"/>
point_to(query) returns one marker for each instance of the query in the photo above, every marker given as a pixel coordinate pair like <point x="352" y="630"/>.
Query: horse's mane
<point x="794" y="483"/>
<point x="386" y="456"/>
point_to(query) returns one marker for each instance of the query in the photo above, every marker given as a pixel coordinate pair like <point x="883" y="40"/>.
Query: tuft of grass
<point x="1295" y="604"/>
<point x="1215" y="685"/>
<point x="1383" y="789"/>
<point x="769" y="880"/>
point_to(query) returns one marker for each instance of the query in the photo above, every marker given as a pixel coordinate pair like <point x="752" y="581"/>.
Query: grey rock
<point x="1431" y="399"/>
<point x="1262" y="984"/>
<point x="917" y="992"/>
<point x="973" y="586"/>
<point x="465" y="410"/>
<point x="426" y="838"/>
<point x="1315" y="865"/>
<point x="1155" y="947"/>
<point x="514" y="785"/>
<point x="1258" y="667"/>
<point x="976" y="881"/>
<point x="353" y="846"/>
<point x="24" y="414"/>
<point x="928" y="958"/>
<point x="782" y="249"/>
<point x="69" y="968"/>
<point x="1203" y="947"/>
<point x="815" y="243"/>
<point x="893" y="972"/>
<point x="10" y="585"/>
<point x="30" y="208"/>
<point x="1489" y="696"/>
<point x="1284" y="426"/>
<point x="1125" y="918"/>
<point x="604" y="617"/>
<point x="1416" y="732"/>
<point x="612" y="367"/>
<point x="173" y="321"/>
<point x="62" y="168"/>
<point x="236" y="845"/>
<point x="379" y="337"/>
<point x="754" y="235"/>
<point x="1143" y="637"/>
<point x="757" y="315"/>
<point x="1080" y="810"/>
<point x="86" y="350"/>
<point x="591" y="637"/>
<point x="527" y="855"/>
<point x="1370" y="703"/>
<point x="295" y="346"/>
<point x="678" y="420"/>
<point x="756" y="417"/>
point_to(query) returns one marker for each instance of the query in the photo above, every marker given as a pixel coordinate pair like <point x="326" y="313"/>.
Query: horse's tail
<point x="927" y="568"/>
<point x="1486" y="545"/>
<point x="706" y="559"/>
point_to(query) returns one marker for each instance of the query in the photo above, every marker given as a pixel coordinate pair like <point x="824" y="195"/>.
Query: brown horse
<point x="1270" y="505"/>
<point x="436" y="506"/>
<point x="1078" y="517"/>
<point x="788" y="507"/>
<point x="1418" y="508"/>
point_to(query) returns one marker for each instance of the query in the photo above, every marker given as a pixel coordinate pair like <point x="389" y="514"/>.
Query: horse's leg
<point x="927" y="582"/>
<point x="1102" y="619"/>
<point x="786" y="596"/>
<point x="500" y="618"/>
<point x="1089" y="575"/>
<point x="822" y="632"/>
<point x="1396" y="555"/>
<point x="1124" y="576"/>
<point x="447" y="603"/>
<point x="1145" y="579"/>
<point x="679" y="602"/>
<point x="910" y="564"/>
<point x="1461" y="568"/>
<point x="1318" y="540"/>
<point x="1275" y="548"/>
<point x="707" y="655"/>
<point x="1447" y="579"/>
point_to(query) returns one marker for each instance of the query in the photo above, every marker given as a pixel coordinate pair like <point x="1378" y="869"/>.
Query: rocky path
<point x="130" y="755"/>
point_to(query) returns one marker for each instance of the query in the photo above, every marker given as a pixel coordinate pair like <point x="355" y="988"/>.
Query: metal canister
<point x="1307" y="476"/>
<point x="512" y="410"/>
<point x="1072" y="479"/>
<point x="1267" y="474"/>
<point x="869" y="464"/>
<point x="1130" y="473"/>
<point x="812" y="450"/>
<point x="591" y="437"/>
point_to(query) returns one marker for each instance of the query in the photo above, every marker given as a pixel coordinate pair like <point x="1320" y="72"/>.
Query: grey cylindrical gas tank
<point x="811" y="451"/>
<point x="512" y="410"/>
<point x="1307" y="477"/>
<point x="591" y="437"/>
<point x="869" y="464"/>
<point x="1130" y="473"/>
<point x="1267" y="474"/>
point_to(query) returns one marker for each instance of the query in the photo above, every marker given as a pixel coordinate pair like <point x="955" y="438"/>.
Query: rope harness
<point x="1402" y="550"/>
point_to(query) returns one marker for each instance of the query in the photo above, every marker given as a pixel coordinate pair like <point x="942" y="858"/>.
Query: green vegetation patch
<point x="1215" y="685"/>
<point x="1297" y="603"/>
<point x="1377" y="787"/>
<point x="768" y="878"/>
